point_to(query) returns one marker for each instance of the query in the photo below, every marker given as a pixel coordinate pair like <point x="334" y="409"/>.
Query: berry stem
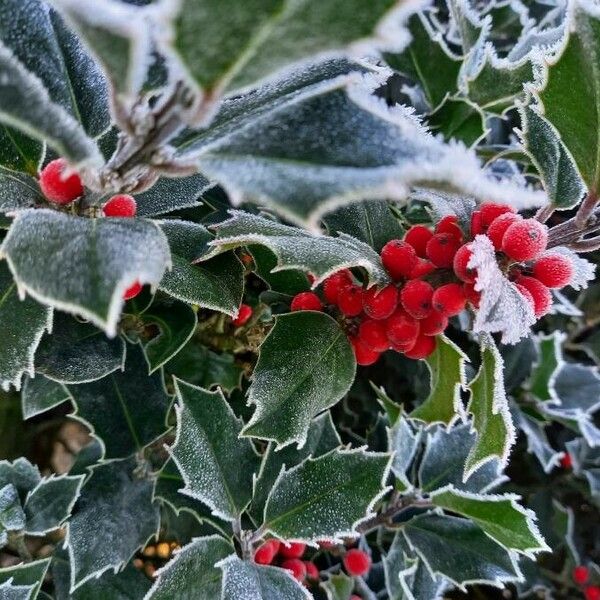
<point x="572" y="232"/>
<point x="396" y="505"/>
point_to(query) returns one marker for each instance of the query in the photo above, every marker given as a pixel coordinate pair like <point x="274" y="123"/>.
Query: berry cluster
<point x="432" y="282"/>
<point x="581" y="576"/>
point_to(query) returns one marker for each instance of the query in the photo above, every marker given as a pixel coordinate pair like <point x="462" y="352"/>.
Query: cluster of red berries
<point x="432" y="282"/>
<point x="289" y="556"/>
<point x="581" y="576"/>
<point x="61" y="185"/>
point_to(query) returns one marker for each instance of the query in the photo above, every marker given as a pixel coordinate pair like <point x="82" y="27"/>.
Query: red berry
<point x="476" y="224"/>
<point x="542" y="298"/>
<point x="526" y="294"/>
<point x="416" y="298"/>
<point x="566" y="461"/>
<point x="402" y="329"/>
<point x="133" y="291"/>
<point x="296" y="566"/>
<point x="312" y="572"/>
<point x="449" y="299"/>
<point x="472" y="296"/>
<point x="244" y="314"/>
<point x="441" y="249"/>
<point x="490" y="211"/>
<point x="335" y="283"/>
<point x="306" y="301"/>
<point x="422" y="268"/>
<point x="56" y="187"/>
<point x="380" y="304"/>
<point x="276" y="544"/>
<point x="325" y="545"/>
<point x="373" y="334"/>
<point x="553" y="270"/>
<point x="265" y="553"/>
<point x="357" y="562"/>
<point x="121" y="205"/>
<point x="525" y="240"/>
<point x="399" y="258"/>
<point x="418" y="236"/>
<point x="292" y="549"/>
<point x="581" y="574"/>
<point x="449" y="224"/>
<point x="351" y="301"/>
<point x="365" y="355"/>
<point x="434" y="324"/>
<point x="498" y="228"/>
<point x="460" y="264"/>
<point x="424" y="346"/>
<point x="355" y="597"/>
<point x="592" y="592"/>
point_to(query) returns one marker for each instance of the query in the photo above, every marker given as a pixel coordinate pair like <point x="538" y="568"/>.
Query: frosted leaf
<point x="12" y="517"/>
<point x="502" y="308"/>
<point x="168" y="195"/>
<point x="8" y="591"/>
<point x="443" y="204"/>
<point x="25" y="574"/>
<point x="83" y="266"/>
<point x="18" y="190"/>
<point x="403" y="442"/>
<point x="243" y="580"/>
<point x="584" y="271"/>
<point x="40" y="394"/>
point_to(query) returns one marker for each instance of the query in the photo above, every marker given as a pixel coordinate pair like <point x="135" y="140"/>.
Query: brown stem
<point x="589" y="245"/>
<point x="544" y="213"/>
<point x="586" y="209"/>
<point x="386" y="516"/>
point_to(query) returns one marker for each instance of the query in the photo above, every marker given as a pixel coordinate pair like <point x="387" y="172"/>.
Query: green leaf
<point x="326" y="497"/>
<point x="248" y="581"/>
<point x="297" y="377"/>
<point x="21" y="474"/>
<point x="22" y="323"/>
<point x="103" y="258"/>
<point x="457" y="119"/>
<point x="447" y="368"/>
<point x="217" y="284"/>
<point x="20" y="157"/>
<point x="8" y="591"/>
<point x="192" y="573"/>
<point x="298" y="249"/>
<point x="558" y="172"/>
<point x="17" y="190"/>
<point x="549" y="349"/>
<point x="168" y="195"/>
<point x="489" y="406"/>
<point x="267" y="36"/>
<point x="113" y="518"/>
<point x="320" y="439"/>
<point x="77" y="352"/>
<point x="50" y="503"/>
<point x="40" y="394"/>
<point x="501" y="517"/>
<point x="12" y="517"/>
<point x="126" y="410"/>
<point x="26" y="574"/>
<point x="289" y="282"/>
<point x="570" y="93"/>
<point x="176" y="323"/>
<point x="338" y="587"/>
<point x="459" y="550"/>
<point x="403" y="442"/>
<point x="217" y="466"/>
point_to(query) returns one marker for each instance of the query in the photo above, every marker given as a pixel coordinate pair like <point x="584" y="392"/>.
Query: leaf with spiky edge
<point x="168" y="195"/>
<point x="50" y="503"/>
<point x="113" y="518"/>
<point x="22" y="322"/>
<point x="8" y="591"/>
<point x="17" y="190"/>
<point x="192" y="573"/>
<point x="320" y="439"/>
<point x="243" y="580"/>
<point x="500" y="516"/>
<point x="20" y="473"/>
<point x="489" y="406"/>
<point x="77" y="352"/>
<point x="403" y="442"/>
<point x="338" y="586"/>
<point x="297" y="249"/>
<point x="326" y="497"/>
<point x="217" y="284"/>
<point x="84" y="266"/>
<point x="458" y="119"/>
<point x="40" y="394"/>
<point x="12" y="517"/>
<point x="447" y="369"/>
<point x="549" y="349"/>
<point x="459" y="550"/>
<point x="127" y="410"/>
<point x="26" y="574"/>
<point x="297" y="377"/>
<point x="216" y="464"/>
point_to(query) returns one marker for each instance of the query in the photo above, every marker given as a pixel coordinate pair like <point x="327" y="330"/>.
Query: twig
<point x="544" y="213"/>
<point x="393" y="508"/>
<point x="586" y="209"/>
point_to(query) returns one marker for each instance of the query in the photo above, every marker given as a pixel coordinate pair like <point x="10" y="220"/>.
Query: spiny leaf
<point x="26" y="574"/>
<point x="403" y="443"/>
<point x="17" y="190"/>
<point x="40" y="394"/>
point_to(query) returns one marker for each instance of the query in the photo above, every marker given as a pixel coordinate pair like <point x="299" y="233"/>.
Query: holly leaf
<point x="113" y="518"/>
<point x="26" y="574"/>
<point x="459" y="550"/>
<point x="549" y="350"/>
<point x="168" y="195"/>
<point x="126" y="410"/>
<point x="217" y="284"/>
<point x="403" y="442"/>
<point x="77" y="352"/>
<point x="297" y="377"/>
<point x="320" y="439"/>
<point x="500" y="516"/>
<point x="50" y="503"/>
<point x="244" y="580"/>
<point x="83" y="266"/>
<point x="338" y="586"/>
<point x="326" y="497"/>
<point x="12" y="517"/>
<point x="457" y="119"/>
<point x="40" y="394"/>
<point x="491" y="416"/>
<point x="217" y="466"/>
<point x="21" y="474"/>
<point x="17" y="190"/>
<point x="447" y="369"/>
<point x="22" y="323"/>
<point x="192" y="572"/>
<point x="8" y="591"/>
<point x="297" y="249"/>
